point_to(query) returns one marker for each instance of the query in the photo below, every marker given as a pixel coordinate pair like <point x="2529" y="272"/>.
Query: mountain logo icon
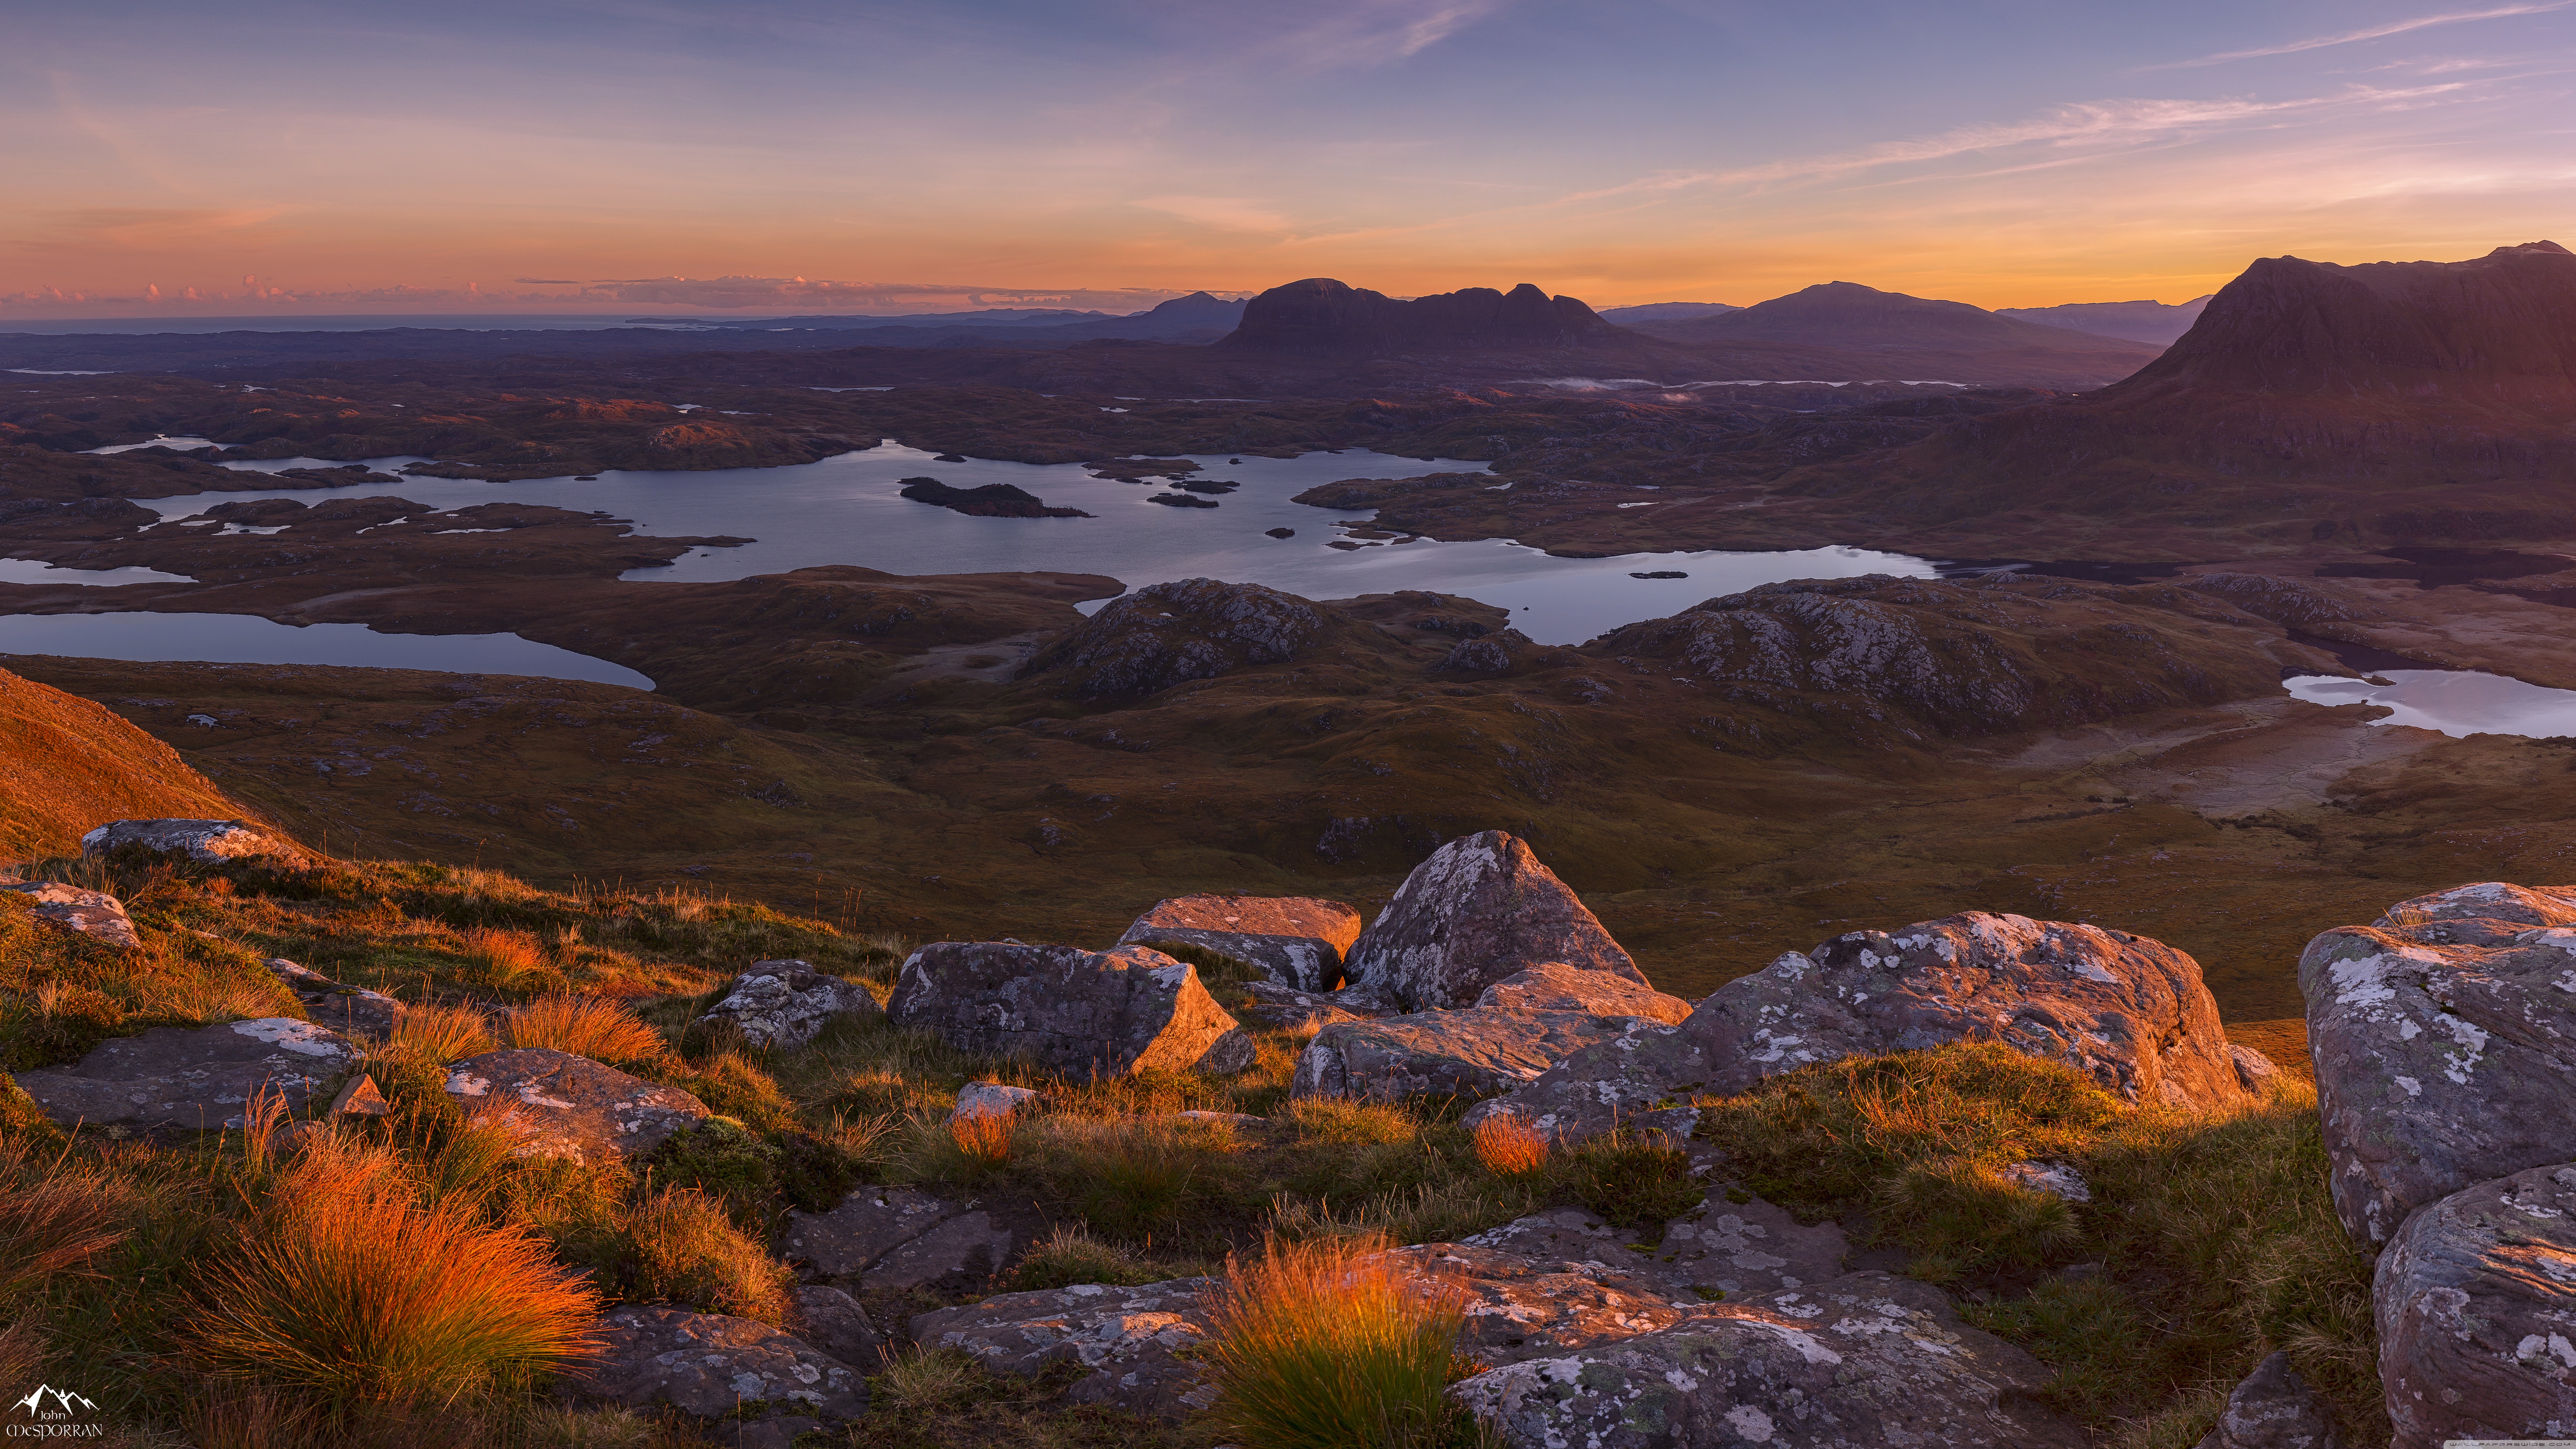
<point x="65" y="1398"/>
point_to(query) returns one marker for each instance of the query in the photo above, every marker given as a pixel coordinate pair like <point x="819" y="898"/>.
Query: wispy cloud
<point x="1376" y="32"/>
<point x="2375" y="32"/>
<point x="1225" y="213"/>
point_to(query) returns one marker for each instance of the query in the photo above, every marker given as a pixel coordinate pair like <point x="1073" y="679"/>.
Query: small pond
<point x="2457" y="702"/>
<point x="37" y="571"/>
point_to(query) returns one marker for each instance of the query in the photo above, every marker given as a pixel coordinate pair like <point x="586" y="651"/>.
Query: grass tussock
<point x="585" y="1026"/>
<point x="504" y="958"/>
<point x="1508" y="1148"/>
<point x="440" y="1033"/>
<point x="1071" y="1255"/>
<point x="2214" y="1232"/>
<point x="684" y="1248"/>
<point x="983" y="1140"/>
<point x="1319" y="1345"/>
<point x="344" y="1288"/>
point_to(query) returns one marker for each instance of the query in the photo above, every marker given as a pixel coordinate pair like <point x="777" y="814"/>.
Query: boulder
<point x="1864" y="1361"/>
<point x="2274" y="1409"/>
<point x="965" y="1250"/>
<point x="1130" y="1341"/>
<point x="1078" y="1012"/>
<point x="1723" y="1246"/>
<point x="2444" y="1037"/>
<point x="713" y="1367"/>
<point x="1298" y="940"/>
<point x="2476" y="1306"/>
<point x="2255" y="1072"/>
<point x="1641" y="1079"/>
<point x="787" y="1003"/>
<point x="1480" y="909"/>
<point x="833" y="1321"/>
<point x="192" y="1078"/>
<point x="865" y="1226"/>
<point x="94" y="914"/>
<point x="350" y="1010"/>
<point x="562" y="1105"/>
<point x="990" y="1099"/>
<point x="1285" y="1008"/>
<point x="1555" y="986"/>
<point x="1475" y="1052"/>
<point x="206" y="842"/>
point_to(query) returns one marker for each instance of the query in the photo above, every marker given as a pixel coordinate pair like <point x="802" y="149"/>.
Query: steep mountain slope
<point x="67" y="766"/>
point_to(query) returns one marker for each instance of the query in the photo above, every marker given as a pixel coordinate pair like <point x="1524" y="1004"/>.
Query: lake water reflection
<point x="247" y="639"/>
<point x="2457" y="702"/>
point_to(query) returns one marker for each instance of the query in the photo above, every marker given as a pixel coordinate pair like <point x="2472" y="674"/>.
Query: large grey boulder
<point x="350" y="1010"/>
<point x="1079" y="1012"/>
<point x="2475" y="1299"/>
<point x="206" y="842"/>
<point x="1476" y="1052"/>
<point x="192" y="1078"/>
<point x="2274" y="1409"/>
<point x="1556" y="986"/>
<point x="2130" y="1012"/>
<point x="1862" y="1362"/>
<point x="713" y="1366"/>
<point x="1480" y="909"/>
<point x="1132" y="1343"/>
<point x="561" y="1105"/>
<point x="788" y="1003"/>
<point x="896" y="1237"/>
<point x="1298" y="940"/>
<point x="94" y="914"/>
<point x="2444" y="1036"/>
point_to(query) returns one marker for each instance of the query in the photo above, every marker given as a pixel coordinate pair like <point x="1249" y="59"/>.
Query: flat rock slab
<point x="2444" y="1038"/>
<point x="1720" y="1246"/>
<point x="966" y="1249"/>
<point x="562" y="1105"/>
<point x="860" y="1229"/>
<point x="711" y="1365"/>
<point x="1078" y="1012"/>
<point x="206" y="842"/>
<point x="788" y="1003"/>
<point x="1556" y="986"/>
<point x="1862" y="1362"/>
<point x="1475" y="1052"/>
<point x="1640" y="1080"/>
<point x="2476" y="1305"/>
<point x="1299" y="940"/>
<point x="94" y="914"/>
<point x="1480" y="909"/>
<point x="1519" y="1306"/>
<point x="1129" y="1339"/>
<point x="834" y="1322"/>
<point x="192" y="1078"/>
<point x="350" y="1010"/>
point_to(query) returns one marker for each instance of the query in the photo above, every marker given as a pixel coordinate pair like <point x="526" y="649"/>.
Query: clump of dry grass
<point x="586" y="1026"/>
<point x="1072" y="1255"/>
<point x="440" y="1033"/>
<point x="51" y="1225"/>
<point x="687" y="1250"/>
<point x="501" y="957"/>
<point x="1508" y="1147"/>
<point x="1128" y="1175"/>
<point x="1323" y="1345"/>
<point x="346" y="1290"/>
<point x="983" y="1139"/>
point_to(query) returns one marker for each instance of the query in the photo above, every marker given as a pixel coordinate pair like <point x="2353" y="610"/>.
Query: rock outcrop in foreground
<point x="192" y="1079"/>
<point x="2476" y="1308"/>
<point x="561" y="1105"/>
<point x="1298" y="940"/>
<point x="1080" y="1012"/>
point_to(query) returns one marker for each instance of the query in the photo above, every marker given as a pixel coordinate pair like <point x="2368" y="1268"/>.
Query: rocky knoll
<point x="1917" y="337"/>
<point x="1079" y="1012"/>
<point x="2445" y="1040"/>
<point x="1161" y="635"/>
<point x="1320" y="315"/>
<point x="1961" y="656"/>
<point x="2130" y="1012"/>
<point x="204" y="842"/>
<point x="1481" y="909"/>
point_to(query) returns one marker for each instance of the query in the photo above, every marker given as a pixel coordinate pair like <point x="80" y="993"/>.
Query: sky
<point x="272" y="157"/>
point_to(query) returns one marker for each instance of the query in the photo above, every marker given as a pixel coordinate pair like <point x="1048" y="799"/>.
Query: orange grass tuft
<point x="983" y="1139"/>
<point x="441" y="1033"/>
<point x="586" y="1026"/>
<point x="1507" y="1147"/>
<point x="503" y="956"/>
<point x="1324" y="1344"/>
<point x="346" y="1289"/>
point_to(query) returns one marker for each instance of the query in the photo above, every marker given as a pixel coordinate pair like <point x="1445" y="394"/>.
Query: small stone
<point x="2274" y="1409"/>
<point x="206" y="842"/>
<point x="2053" y="1178"/>
<point x="990" y="1099"/>
<point x="833" y="1321"/>
<point x="94" y="914"/>
<point x="360" y="1099"/>
<point x="2256" y="1072"/>
<point x="788" y="1003"/>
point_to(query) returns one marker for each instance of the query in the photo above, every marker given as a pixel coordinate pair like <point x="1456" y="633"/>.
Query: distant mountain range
<point x="2137" y="321"/>
<point x="1664" y="312"/>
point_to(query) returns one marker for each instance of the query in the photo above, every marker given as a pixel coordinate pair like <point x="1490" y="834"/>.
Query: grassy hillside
<point x="66" y="764"/>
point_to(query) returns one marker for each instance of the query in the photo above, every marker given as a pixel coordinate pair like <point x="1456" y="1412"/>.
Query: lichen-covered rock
<point x="1299" y="940"/>
<point x="2476" y="1306"/>
<point x="1130" y="1341"/>
<point x="2274" y="1409"/>
<point x="2056" y="1179"/>
<point x="1285" y="1008"/>
<point x="2444" y="1037"/>
<point x="860" y="1229"/>
<point x="1148" y="640"/>
<point x="207" y="842"/>
<point x="990" y="1099"/>
<point x="94" y="914"/>
<point x="561" y="1105"/>
<point x="192" y="1079"/>
<point x="1078" y="1012"/>
<point x="1641" y="1080"/>
<point x="1480" y="909"/>
<point x="1555" y="986"/>
<point x="786" y="1003"/>
<point x="713" y="1366"/>
<point x="1476" y="1052"/>
<point x="1862" y="1362"/>
<point x="349" y="1010"/>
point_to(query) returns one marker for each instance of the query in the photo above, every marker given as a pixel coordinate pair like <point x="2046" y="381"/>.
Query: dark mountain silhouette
<point x="1320" y="316"/>
<point x="2144" y="321"/>
<point x="1854" y="318"/>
